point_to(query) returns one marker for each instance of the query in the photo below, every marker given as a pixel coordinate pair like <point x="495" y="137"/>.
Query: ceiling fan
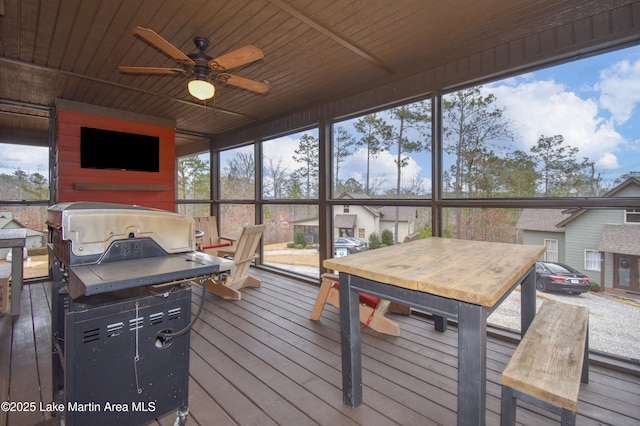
<point x="205" y="69"/>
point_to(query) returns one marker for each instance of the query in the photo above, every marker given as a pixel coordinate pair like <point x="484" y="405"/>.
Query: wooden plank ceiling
<point x="315" y="51"/>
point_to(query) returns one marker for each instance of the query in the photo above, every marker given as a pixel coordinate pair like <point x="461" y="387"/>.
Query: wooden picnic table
<point x="458" y="279"/>
<point x="15" y="239"/>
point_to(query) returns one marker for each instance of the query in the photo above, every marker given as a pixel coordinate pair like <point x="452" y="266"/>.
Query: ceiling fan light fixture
<point x="201" y="89"/>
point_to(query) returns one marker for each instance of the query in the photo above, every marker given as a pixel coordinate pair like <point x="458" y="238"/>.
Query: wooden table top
<point x="475" y="272"/>
<point x="13" y="237"/>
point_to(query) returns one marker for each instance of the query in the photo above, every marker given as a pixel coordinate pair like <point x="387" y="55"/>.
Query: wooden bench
<point x="5" y="290"/>
<point x="549" y="363"/>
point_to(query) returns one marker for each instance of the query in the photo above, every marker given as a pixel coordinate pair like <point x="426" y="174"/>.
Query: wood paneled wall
<point x="73" y="183"/>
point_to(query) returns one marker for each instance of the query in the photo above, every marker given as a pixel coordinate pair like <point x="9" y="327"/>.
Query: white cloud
<point x="608" y="161"/>
<point x="549" y="108"/>
<point x="619" y="89"/>
<point x="29" y="159"/>
<point x="382" y="167"/>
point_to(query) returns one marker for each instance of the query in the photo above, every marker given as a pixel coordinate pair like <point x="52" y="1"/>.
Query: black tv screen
<point x="108" y="149"/>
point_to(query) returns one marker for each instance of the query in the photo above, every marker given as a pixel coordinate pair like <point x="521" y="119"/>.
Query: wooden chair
<point x="243" y="253"/>
<point x="372" y="309"/>
<point x="211" y="241"/>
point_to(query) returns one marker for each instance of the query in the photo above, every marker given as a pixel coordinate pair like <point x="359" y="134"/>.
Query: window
<point x="506" y="139"/>
<point x="290" y="238"/>
<point x="386" y="154"/>
<point x="632" y="216"/>
<point x="551" y="253"/>
<point x="345" y="209"/>
<point x="290" y="166"/>
<point x="24" y="176"/>
<point x="237" y="174"/>
<point x="592" y="260"/>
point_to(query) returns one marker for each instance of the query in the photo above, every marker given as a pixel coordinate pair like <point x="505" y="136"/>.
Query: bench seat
<point x="549" y="363"/>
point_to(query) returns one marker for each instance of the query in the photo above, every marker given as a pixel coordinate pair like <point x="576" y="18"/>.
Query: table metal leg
<point x="527" y="300"/>
<point x="350" y="340"/>
<point x="472" y="364"/>
<point x="16" y="279"/>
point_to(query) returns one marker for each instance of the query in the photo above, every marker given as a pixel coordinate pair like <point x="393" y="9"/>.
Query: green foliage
<point x="594" y="286"/>
<point x="376" y="137"/>
<point x="194" y="180"/>
<point x="425" y="231"/>
<point x="308" y="155"/>
<point x="374" y="241"/>
<point x="23" y="186"/>
<point x="299" y="238"/>
<point x="299" y="246"/>
<point x="290" y="245"/>
<point x="387" y="237"/>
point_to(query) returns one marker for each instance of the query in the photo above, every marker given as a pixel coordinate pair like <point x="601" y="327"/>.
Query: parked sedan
<point x="558" y="277"/>
<point x="353" y="245"/>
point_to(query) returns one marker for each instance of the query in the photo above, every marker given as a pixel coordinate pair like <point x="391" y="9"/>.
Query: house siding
<point x="586" y="233"/>
<point x="537" y="238"/>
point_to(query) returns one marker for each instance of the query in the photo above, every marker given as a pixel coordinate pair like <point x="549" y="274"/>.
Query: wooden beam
<point x="333" y="36"/>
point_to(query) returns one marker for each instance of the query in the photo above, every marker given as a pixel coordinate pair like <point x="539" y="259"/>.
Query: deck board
<point x="261" y="361"/>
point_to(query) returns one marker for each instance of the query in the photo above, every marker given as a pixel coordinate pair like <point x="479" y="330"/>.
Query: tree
<point x="308" y="155"/>
<point x="471" y="123"/>
<point x="626" y="176"/>
<point x="275" y="178"/>
<point x="411" y="116"/>
<point x="193" y="178"/>
<point x="520" y="175"/>
<point x="343" y="141"/>
<point x="351" y="185"/>
<point x="376" y="135"/>
<point x="558" y="164"/>
<point x="239" y="179"/>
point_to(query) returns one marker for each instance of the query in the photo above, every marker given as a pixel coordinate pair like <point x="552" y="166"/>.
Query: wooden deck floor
<point x="261" y="361"/>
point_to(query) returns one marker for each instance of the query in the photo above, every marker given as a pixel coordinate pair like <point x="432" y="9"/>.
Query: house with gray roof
<point x="603" y="244"/>
<point x="352" y="220"/>
<point x="34" y="238"/>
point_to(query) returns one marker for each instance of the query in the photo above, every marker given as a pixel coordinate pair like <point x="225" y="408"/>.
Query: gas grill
<point x="121" y="311"/>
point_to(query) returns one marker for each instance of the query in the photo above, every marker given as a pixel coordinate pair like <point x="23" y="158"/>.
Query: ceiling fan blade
<point x="243" y="83"/>
<point x="156" y="40"/>
<point x="151" y="70"/>
<point x="235" y="58"/>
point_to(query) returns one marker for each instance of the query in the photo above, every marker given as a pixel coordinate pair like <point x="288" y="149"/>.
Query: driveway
<point x="613" y="321"/>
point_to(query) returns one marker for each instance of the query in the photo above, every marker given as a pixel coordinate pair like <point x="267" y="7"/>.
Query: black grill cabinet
<point x="121" y="311"/>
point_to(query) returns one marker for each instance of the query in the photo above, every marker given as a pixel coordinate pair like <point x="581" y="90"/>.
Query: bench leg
<point x="508" y="409"/>
<point x="585" y="362"/>
<point x="321" y="299"/>
<point x="440" y="323"/>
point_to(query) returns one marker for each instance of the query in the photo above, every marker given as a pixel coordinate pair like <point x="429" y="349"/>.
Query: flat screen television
<point x="112" y="150"/>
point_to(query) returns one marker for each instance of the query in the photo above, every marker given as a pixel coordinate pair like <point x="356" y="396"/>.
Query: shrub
<point x="299" y="246"/>
<point x="595" y="287"/>
<point x="299" y="238"/>
<point x="374" y="241"/>
<point x="290" y="245"/>
<point x="387" y="237"/>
